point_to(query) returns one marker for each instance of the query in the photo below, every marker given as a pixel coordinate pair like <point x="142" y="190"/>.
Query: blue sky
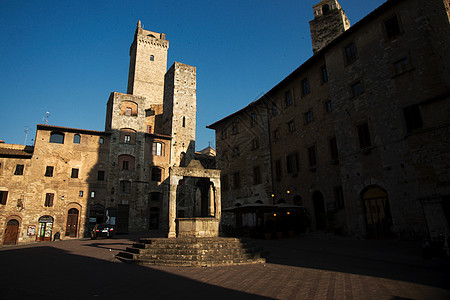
<point x="66" y="57"/>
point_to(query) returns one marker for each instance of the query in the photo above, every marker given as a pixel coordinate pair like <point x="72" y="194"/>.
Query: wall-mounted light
<point x="288" y="192"/>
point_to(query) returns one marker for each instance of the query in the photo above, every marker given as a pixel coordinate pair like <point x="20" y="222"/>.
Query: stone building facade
<point x="358" y="134"/>
<point x="140" y="173"/>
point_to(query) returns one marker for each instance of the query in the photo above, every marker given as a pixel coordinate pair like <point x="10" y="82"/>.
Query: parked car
<point x="102" y="230"/>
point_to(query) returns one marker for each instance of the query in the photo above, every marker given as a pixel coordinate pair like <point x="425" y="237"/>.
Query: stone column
<point x="173" y="205"/>
<point x="211" y="198"/>
<point x="217" y="200"/>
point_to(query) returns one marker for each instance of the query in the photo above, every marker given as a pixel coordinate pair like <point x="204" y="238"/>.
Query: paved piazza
<point x="314" y="266"/>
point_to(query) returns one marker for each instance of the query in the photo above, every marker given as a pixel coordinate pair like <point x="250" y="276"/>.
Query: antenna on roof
<point x="45" y="119"/>
<point x="26" y="134"/>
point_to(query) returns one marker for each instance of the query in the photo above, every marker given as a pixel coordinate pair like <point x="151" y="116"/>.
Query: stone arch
<point x="325" y="9"/>
<point x="57" y="137"/>
<point x="73" y="219"/>
<point x="12" y="229"/>
<point x="377" y="212"/>
<point x="127" y="136"/>
<point x="45" y="229"/>
<point x="126" y="162"/>
<point x="128" y="108"/>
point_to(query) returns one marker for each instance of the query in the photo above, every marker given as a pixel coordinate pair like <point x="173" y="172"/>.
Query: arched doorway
<point x="377" y="212"/>
<point x="319" y="210"/>
<point x="72" y="222"/>
<point x="11" y="232"/>
<point x="45" y="229"/>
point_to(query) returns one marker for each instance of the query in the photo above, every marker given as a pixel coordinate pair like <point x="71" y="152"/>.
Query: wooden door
<point x="72" y="222"/>
<point x="11" y="232"/>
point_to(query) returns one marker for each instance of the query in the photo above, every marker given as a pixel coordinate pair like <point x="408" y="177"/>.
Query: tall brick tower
<point x="148" y="65"/>
<point x="180" y="107"/>
<point x="329" y="22"/>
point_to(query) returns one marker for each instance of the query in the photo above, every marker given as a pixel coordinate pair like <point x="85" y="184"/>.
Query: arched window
<point x="152" y="58"/>
<point x="76" y="138"/>
<point x="184" y="121"/>
<point x="127" y="136"/>
<point x="57" y="138"/>
<point x="128" y="108"/>
<point x="126" y="162"/>
<point x="325" y="9"/>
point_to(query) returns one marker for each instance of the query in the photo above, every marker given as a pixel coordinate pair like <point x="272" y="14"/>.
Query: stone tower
<point x="148" y="65"/>
<point x="329" y="22"/>
<point x="180" y="107"/>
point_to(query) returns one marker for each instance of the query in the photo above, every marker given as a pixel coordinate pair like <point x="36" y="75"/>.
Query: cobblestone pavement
<point x="315" y="266"/>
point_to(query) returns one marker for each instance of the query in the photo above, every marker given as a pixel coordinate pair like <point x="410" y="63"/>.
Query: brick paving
<point x="315" y="266"/>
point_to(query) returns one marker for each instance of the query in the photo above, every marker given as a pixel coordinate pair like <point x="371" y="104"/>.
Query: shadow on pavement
<point x="50" y="272"/>
<point x="392" y="259"/>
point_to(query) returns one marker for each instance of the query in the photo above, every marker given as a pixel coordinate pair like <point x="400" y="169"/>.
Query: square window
<point x="276" y="134"/>
<point x="19" y="170"/>
<point x="237" y="180"/>
<point x="255" y="143"/>
<point x="274" y="109"/>
<point x="92" y="194"/>
<point x="234" y="128"/>
<point x="49" y="199"/>
<point x="287" y="98"/>
<point x="127" y="139"/>
<point x="74" y="173"/>
<point x="413" y="118"/>
<point x="308" y="117"/>
<point x="357" y="88"/>
<point x="324" y="73"/>
<point x="305" y="87"/>
<point x="157" y="149"/>
<point x="334" y="151"/>
<point x="156" y="174"/>
<point x="80" y="194"/>
<point x="253" y="119"/>
<point x="256" y="175"/>
<point x="3" y="197"/>
<point x="101" y="175"/>
<point x="328" y="107"/>
<point x="401" y="66"/>
<point x="292" y="163"/>
<point x="364" y="136"/>
<point x="101" y="141"/>
<point x="49" y="171"/>
<point x="291" y="126"/>
<point x="312" y="156"/>
<point x="392" y="27"/>
<point x="350" y="53"/>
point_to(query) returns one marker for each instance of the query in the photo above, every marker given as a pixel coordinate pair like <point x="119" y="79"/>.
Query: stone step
<point x="187" y="263"/>
<point x="191" y="246"/>
<point x="196" y="257"/>
<point x="170" y="251"/>
<point x="190" y="240"/>
<point x="192" y="252"/>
